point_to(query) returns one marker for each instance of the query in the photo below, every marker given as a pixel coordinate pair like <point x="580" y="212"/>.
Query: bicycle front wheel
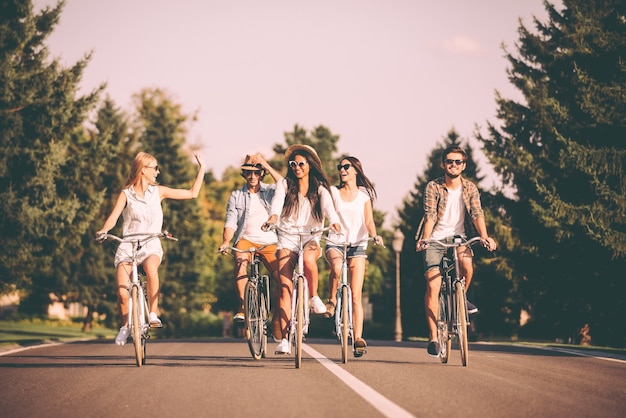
<point x="299" y="320"/>
<point x="443" y="337"/>
<point x="136" y="330"/>
<point x="254" y="323"/>
<point x="461" y="322"/>
<point x="343" y="323"/>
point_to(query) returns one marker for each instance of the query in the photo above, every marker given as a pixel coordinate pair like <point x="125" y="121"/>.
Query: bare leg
<point x="335" y="259"/>
<point x="286" y="262"/>
<point x="357" y="275"/>
<point x="431" y="300"/>
<point x="311" y="254"/>
<point x="151" y="267"/>
<point x="123" y="277"/>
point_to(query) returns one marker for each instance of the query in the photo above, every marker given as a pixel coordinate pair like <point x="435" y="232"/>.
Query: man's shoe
<point x="239" y="316"/>
<point x="122" y="336"/>
<point x="317" y="305"/>
<point x="283" y="347"/>
<point x="330" y="309"/>
<point x="471" y="308"/>
<point x="154" y="320"/>
<point x="433" y="349"/>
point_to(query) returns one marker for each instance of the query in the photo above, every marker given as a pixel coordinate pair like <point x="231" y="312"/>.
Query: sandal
<point x="330" y="309"/>
<point x="360" y="347"/>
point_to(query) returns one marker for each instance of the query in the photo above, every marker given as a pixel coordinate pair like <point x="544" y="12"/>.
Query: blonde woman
<point x="139" y="203"/>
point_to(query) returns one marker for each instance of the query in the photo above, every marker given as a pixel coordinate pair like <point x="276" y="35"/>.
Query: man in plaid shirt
<point x="451" y="207"/>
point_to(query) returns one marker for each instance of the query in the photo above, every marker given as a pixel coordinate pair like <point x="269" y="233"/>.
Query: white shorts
<point x="125" y="251"/>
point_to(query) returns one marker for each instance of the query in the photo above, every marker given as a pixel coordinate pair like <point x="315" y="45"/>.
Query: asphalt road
<point x="218" y="378"/>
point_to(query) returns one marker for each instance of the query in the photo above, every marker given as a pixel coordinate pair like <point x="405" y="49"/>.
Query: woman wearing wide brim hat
<point x="301" y="202"/>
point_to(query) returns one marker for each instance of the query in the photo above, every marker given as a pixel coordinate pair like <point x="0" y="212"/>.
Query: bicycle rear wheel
<point x="254" y="323"/>
<point x="343" y="324"/>
<point x="443" y="337"/>
<point x="136" y="330"/>
<point x="461" y="321"/>
<point x="299" y="320"/>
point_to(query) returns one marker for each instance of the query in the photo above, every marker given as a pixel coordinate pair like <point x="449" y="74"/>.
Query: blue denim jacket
<point x="239" y="205"/>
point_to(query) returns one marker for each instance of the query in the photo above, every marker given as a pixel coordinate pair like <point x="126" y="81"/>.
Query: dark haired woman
<point x="301" y="202"/>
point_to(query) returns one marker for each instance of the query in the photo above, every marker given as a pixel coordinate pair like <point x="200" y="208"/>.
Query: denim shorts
<point x="434" y="254"/>
<point x="351" y="252"/>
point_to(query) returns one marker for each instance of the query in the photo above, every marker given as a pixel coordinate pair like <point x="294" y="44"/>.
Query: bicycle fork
<point x="141" y="299"/>
<point x="294" y="298"/>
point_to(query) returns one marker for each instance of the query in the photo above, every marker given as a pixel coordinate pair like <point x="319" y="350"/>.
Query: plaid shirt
<point x="436" y="198"/>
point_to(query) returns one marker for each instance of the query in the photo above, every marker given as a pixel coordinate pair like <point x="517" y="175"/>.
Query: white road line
<point x="378" y="401"/>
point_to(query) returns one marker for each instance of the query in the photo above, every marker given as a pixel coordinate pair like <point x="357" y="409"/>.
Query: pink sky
<point x="390" y="77"/>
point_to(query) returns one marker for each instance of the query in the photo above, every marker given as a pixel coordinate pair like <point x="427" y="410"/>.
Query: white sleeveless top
<point x="352" y="217"/>
<point x="141" y="215"/>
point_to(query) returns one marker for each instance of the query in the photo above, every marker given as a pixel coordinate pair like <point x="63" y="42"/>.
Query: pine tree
<point x="45" y="207"/>
<point x="562" y="151"/>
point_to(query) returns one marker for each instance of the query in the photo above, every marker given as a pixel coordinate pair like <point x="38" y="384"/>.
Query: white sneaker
<point x="283" y="347"/>
<point x="122" y="336"/>
<point x="317" y="305"/>
<point x="154" y="320"/>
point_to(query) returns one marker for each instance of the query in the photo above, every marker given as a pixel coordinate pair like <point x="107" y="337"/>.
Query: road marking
<point x="596" y="355"/>
<point x="378" y="401"/>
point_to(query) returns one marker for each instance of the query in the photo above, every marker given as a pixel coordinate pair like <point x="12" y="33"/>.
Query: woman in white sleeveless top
<point x="139" y="203"/>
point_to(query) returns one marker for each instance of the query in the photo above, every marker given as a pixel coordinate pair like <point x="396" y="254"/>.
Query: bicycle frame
<point x="300" y="315"/>
<point x="344" y="327"/>
<point x="138" y="308"/>
<point x="453" y="317"/>
<point x="256" y="303"/>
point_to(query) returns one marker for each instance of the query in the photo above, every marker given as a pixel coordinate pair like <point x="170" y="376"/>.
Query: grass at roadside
<point x="36" y="331"/>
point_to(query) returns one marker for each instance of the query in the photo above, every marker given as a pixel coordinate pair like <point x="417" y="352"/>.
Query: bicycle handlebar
<point x="146" y="237"/>
<point x="250" y="250"/>
<point x="352" y="244"/>
<point x="311" y="232"/>
<point x="458" y="241"/>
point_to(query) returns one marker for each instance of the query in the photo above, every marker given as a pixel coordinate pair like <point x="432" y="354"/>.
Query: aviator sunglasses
<point x="300" y="164"/>
<point x="344" y="166"/>
<point x="457" y="162"/>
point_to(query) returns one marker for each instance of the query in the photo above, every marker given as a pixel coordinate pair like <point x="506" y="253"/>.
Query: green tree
<point x="186" y="279"/>
<point x="44" y="157"/>
<point x="562" y="152"/>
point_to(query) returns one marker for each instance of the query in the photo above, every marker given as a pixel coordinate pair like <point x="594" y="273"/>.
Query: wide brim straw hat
<point x="307" y="150"/>
<point x="247" y="164"/>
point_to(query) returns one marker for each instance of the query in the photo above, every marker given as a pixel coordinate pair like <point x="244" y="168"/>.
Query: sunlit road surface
<point x="219" y="378"/>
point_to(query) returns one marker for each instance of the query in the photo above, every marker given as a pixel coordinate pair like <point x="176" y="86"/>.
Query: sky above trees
<point x="391" y="78"/>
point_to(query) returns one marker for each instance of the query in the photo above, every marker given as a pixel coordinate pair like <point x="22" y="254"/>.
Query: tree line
<point x="558" y="211"/>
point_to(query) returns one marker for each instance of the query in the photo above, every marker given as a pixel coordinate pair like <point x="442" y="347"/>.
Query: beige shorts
<point x="124" y="253"/>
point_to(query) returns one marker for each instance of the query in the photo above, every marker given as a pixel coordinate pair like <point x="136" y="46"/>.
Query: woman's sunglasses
<point x="344" y="166"/>
<point x="300" y="164"/>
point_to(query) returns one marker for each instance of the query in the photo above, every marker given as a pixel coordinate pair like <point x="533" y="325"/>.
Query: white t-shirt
<point x="452" y="221"/>
<point x="256" y="216"/>
<point x="352" y="217"/>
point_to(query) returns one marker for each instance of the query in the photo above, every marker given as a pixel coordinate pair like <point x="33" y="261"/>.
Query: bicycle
<point x="256" y="302"/>
<point x="138" y="303"/>
<point x="452" y="318"/>
<point x="344" y="329"/>
<point x="300" y="317"/>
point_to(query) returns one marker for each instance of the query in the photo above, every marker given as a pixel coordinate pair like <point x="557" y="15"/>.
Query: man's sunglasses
<point x="457" y="162"/>
<point x="293" y="164"/>
<point x="345" y="167"/>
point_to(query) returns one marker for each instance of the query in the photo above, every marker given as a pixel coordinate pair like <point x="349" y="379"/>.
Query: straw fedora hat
<point x="247" y="164"/>
<point x="307" y="150"/>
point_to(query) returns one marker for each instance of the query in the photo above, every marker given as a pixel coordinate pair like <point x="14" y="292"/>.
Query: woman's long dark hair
<point x="361" y="178"/>
<point x="317" y="178"/>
